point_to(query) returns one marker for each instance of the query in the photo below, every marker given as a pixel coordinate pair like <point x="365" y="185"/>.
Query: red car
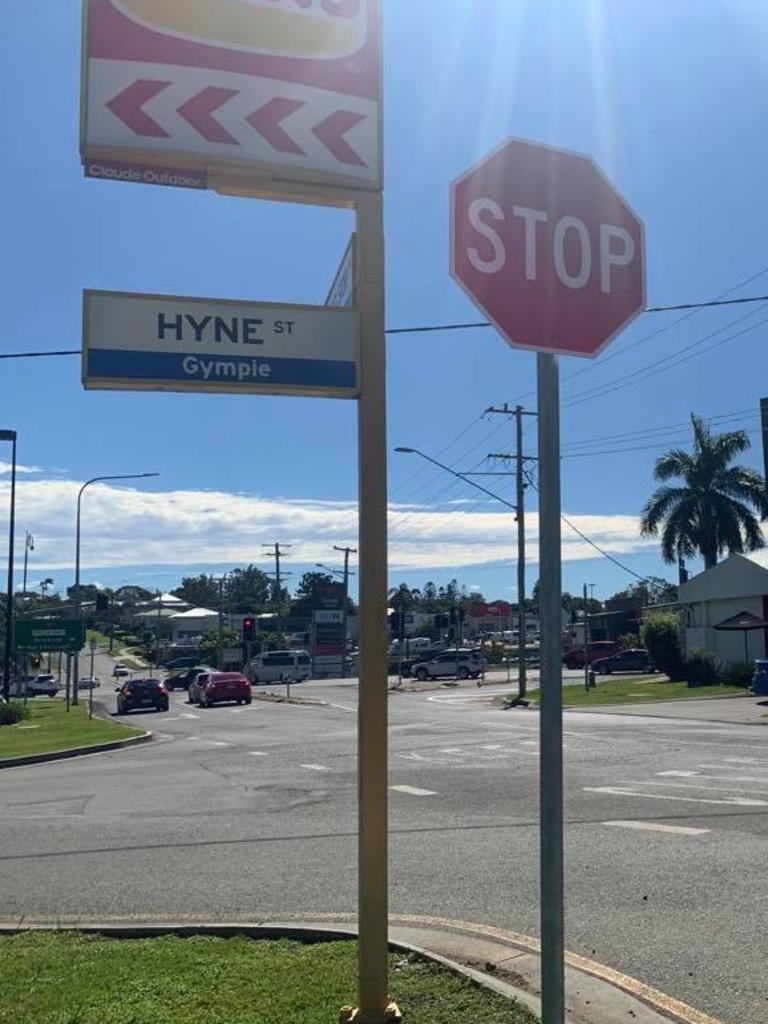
<point x="225" y="686"/>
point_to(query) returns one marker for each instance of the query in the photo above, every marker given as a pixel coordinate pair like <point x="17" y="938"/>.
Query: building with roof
<point x="735" y="586"/>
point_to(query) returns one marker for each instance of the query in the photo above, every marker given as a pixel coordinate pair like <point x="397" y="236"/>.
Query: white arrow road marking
<point x="316" y="767"/>
<point x="652" y="826"/>
<point x="414" y="790"/>
<point x="733" y="802"/>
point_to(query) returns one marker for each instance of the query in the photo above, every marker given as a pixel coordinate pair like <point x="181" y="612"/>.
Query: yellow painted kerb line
<point x="250" y="25"/>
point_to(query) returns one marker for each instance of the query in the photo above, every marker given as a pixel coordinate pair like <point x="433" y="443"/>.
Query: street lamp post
<point x="78" y="601"/>
<point x="9" y="435"/>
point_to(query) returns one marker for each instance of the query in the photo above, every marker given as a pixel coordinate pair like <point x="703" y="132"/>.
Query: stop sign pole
<point x="551" y="253"/>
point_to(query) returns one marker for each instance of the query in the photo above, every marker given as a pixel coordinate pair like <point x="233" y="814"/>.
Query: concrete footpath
<point x="504" y="961"/>
<point x="742" y="710"/>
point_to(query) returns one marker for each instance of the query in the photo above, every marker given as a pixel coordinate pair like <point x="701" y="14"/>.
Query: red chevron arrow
<point x="128" y="104"/>
<point x="266" y="120"/>
<point x="331" y="133"/>
<point x="199" y="113"/>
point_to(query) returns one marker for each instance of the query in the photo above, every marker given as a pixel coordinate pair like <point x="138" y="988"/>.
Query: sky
<point x="669" y="96"/>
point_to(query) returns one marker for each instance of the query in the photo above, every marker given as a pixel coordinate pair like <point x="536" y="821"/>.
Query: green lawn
<point x="50" y="728"/>
<point x="101" y="638"/>
<point x="641" y="690"/>
<point x="65" y="978"/>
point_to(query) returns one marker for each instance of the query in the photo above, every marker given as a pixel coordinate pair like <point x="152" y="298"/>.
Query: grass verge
<point x="50" y="728"/>
<point x="641" y="690"/>
<point x="62" y="978"/>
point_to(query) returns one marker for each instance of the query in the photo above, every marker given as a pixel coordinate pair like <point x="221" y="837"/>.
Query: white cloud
<point x="7" y="467"/>
<point x="130" y="527"/>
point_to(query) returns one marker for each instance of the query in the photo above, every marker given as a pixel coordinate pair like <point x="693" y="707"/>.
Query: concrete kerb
<point x="60" y="755"/>
<point x="504" y="962"/>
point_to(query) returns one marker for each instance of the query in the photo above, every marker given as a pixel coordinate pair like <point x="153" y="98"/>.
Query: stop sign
<point x="547" y="248"/>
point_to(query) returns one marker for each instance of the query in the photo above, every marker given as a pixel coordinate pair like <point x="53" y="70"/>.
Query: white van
<point x="276" y="665"/>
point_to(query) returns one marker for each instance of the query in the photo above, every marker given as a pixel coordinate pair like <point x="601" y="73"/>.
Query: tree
<point x="711" y="511"/>
<point x="309" y="583"/>
<point x="402" y="598"/>
<point x="201" y="591"/>
<point x="131" y="594"/>
<point x="45" y="585"/>
<point x="660" y="634"/>
<point x="246" y="590"/>
<point x="209" y="645"/>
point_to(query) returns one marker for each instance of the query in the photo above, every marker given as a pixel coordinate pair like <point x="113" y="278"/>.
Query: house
<point x="736" y="585"/>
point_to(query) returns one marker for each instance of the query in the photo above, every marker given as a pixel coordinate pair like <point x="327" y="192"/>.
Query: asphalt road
<point x="252" y="812"/>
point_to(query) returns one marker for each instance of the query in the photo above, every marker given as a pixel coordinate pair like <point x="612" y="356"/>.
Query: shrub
<point x="739" y="673"/>
<point x="13" y="712"/>
<point x="701" y="668"/>
<point x="630" y="640"/>
<point x="661" y="638"/>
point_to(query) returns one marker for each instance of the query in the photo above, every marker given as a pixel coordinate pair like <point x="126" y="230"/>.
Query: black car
<point x="634" y="659"/>
<point x="181" y="680"/>
<point x="188" y="661"/>
<point x="141" y="695"/>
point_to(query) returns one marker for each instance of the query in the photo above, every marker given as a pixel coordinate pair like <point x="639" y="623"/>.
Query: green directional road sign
<point x="36" y="636"/>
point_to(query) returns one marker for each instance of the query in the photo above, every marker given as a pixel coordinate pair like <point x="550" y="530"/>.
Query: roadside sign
<point x="39" y="636"/>
<point x="168" y="343"/>
<point x="546" y="247"/>
<point x="342" y="291"/>
<point x="257" y="85"/>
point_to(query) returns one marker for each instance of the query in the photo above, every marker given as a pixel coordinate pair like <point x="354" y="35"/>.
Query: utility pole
<point x="274" y="551"/>
<point x="346" y="552"/>
<point x="519" y="459"/>
<point x="586" y="640"/>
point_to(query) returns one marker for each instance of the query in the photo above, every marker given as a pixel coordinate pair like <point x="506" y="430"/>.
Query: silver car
<point x="461" y="664"/>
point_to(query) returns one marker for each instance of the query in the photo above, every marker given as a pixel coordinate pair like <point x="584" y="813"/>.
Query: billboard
<point x="268" y="86"/>
<point x="144" y="342"/>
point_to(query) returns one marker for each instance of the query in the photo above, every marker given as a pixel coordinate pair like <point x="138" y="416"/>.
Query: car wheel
<point x="607" y="671"/>
<point x="422" y="675"/>
<point x="475" y="675"/>
<point x="248" y="700"/>
<point x="463" y="672"/>
<point x="571" y="665"/>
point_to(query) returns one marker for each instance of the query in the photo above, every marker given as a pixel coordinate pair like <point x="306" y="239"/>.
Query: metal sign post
<point x="551" y="684"/>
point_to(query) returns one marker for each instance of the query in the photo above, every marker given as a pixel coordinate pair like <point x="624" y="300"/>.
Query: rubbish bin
<point x="760" y="678"/>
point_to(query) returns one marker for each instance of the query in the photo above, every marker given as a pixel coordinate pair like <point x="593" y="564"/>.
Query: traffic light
<point x="102" y="602"/>
<point x="249" y="629"/>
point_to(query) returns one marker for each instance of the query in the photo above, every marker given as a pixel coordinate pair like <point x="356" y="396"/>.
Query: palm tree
<point x="44" y="584"/>
<point x="711" y="511"/>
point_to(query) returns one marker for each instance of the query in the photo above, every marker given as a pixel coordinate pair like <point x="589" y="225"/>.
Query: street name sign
<point x="287" y="86"/>
<point x="39" y="636"/>
<point x="546" y="247"/>
<point x="169" y="343"/>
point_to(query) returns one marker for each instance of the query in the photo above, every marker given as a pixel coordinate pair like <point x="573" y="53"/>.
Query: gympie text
<point x="232" y="369"/>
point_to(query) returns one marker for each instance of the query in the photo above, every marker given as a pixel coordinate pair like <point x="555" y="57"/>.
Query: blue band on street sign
<point x="223" y="370"/>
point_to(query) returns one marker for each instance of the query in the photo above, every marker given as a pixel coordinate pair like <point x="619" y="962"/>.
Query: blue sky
<point x="669" y="97"/>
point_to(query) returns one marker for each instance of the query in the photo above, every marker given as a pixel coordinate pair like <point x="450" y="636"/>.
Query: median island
<point x="47" y="727"/>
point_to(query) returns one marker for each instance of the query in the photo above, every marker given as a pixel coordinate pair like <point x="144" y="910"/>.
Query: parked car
<point x="634" y="659"/>
<point x="272" y="666"/>
<point x="576" y="656"/>
<point x="219" y="687"/>
<point x="43" y="685"/>
<point x="196" y="686"/>
<point x="142" y="694"/>
<point x="183" y="680"/>
<point x="89" y="683"/>
<point x="463" y="664"/>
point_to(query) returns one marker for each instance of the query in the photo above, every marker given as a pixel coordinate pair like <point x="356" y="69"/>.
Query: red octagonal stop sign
<point x="547" y="248"/>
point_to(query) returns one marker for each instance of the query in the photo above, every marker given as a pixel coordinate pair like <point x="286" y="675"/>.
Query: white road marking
<point x="688" y="785"/>
<point x="715" y="778"/>
<point x="343" y="707"/>
<point x="492" y="746"/>
<point x="219" y="743"/>
<point x="316" y="767"/>
<point x="652" y="826"/>
<point x="186" y="714"/>
<point x="258" y="753"/>
<point x="746" y="760"/>
<point x="734" y="802"/>
<point x="451" y="750"/>
<point x="414" y="790"/>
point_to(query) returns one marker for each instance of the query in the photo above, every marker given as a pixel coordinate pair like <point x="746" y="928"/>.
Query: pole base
<point x="517" y="702"/>
<point x="351" y="1015"/>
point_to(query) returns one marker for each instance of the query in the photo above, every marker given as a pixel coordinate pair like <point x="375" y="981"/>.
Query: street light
<point x="78" y="601"/>
<point x="9" y="435"/>
<point x="328" y="568"/>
